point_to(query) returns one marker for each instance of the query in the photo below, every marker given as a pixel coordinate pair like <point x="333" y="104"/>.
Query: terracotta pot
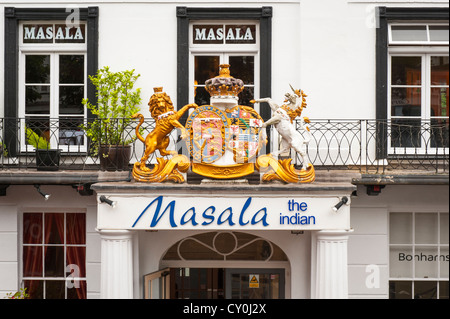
<point x="114" y="157"/>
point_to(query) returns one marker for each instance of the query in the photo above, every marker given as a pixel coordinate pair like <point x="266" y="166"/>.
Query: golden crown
<point x="224" y="84"/>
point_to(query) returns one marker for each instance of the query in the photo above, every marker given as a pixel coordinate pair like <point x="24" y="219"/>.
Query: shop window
<point x="54" y="255"/>
<point x="419" y="256"/>
<point x="225" y="246"/>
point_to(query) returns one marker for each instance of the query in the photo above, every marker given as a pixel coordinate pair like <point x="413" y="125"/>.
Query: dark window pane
<point x="65" y="34"/>
<point x="76" y="256"/>
<point x="37" y="99"/>
<point x="55" y="289"/>
<point x="202" y="96"/>
<point x="70" y="132"/>
<point x="237" y="34"/>
<point x="443" y="290"/>
<point x="75" y="228"/>
<point x="37" y="69"/>
<point x="409" y="33"/>
<point x="206" y="67"/>
<point x="439" y="102"/>
<point x="208" y="34"/>
<point x="425" y="290"/>
<point x="439" y="70"/>
<point x="246" y="96"/>
<point x="78" y="290"/>
<point x="400" y="290"/>
<point x="54" y="228"/>
<point x="243" y="67"/>
<point x="405" y="133"/>
<point x="37" y="33"/>
<point x="32" y="228"/>
<point x="406" y="102"/>
<point x="71" y="69"/>
<point x="54" y="261"/>
<point x="70" y="98"/>
<point x="406" y="70"/>
<point x="35" y="289"/>
<point x="439" y="133"/>
<point x="32" y="261"/>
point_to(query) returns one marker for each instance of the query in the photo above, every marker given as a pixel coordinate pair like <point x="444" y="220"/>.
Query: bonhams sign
<point x="218" y="34"/>
<point x="53" y="33"/>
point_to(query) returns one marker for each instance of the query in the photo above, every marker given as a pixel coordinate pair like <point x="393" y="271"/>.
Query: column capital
<point x="333" y="235"/>
<point x="115" y="234"/>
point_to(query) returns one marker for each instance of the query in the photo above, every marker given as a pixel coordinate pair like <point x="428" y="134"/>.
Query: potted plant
<point x="47" y="159"/>
<point x="117" y="101"/>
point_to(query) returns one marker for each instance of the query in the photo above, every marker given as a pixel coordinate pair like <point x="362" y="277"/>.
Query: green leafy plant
<point x="34" y="139"/>
<point x="3" y="150"/>
<point x="117" y="101"/>
<point x="21" y="294"/>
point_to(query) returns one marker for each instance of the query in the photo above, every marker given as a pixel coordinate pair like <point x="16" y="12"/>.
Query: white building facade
<point x="377" y="79"/>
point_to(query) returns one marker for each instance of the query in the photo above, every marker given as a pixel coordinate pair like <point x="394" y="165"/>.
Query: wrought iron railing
<point x="370" y="146"/>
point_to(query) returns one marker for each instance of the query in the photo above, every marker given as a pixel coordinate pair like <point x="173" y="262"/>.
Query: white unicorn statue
<point x="283" y="120"/>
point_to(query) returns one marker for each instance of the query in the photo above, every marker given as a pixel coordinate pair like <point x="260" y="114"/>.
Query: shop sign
<point x="229" y="34"/>
<point x="53" y="33"/>
<point x="222" y="213"/>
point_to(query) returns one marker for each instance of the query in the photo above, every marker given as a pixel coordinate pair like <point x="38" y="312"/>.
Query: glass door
<point x="157" y="285"/>
<point x="206" y="66"/>
<point x="255" y="284"/>
<point x="53" y="86"/>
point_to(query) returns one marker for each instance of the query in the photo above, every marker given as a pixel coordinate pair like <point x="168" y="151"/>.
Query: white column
<point x="331" y="266"/>
<point x="116" y="264"/>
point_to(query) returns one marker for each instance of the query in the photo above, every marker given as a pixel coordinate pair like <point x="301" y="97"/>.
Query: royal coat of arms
<point x="225" y="139"/>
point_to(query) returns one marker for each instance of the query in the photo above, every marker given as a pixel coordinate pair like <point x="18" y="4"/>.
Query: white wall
<point x="325" y="47"/>
<point x="369" y="243"/>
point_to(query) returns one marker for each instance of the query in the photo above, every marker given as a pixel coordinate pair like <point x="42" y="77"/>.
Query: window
<point x="258" y="16"/>
<point x="39" y="31"/>
<point x="418" y="89"/>
<point x="416" y="112"/>
<point x="419" y="256"/>
<point x="54" y="255"/>
<point x="230" y="43"/>
<point x="52" y="83"/>
<point x="418" y="100"/>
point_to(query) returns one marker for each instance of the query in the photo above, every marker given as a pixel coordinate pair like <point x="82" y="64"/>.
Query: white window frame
<point x="54" y="50"/>
<point x="417" y="48"/>
<point x="224" y="51"/>
<point x="68" y="278"/>
<point x="427" y="42"/>
<point x="413" y="245"/>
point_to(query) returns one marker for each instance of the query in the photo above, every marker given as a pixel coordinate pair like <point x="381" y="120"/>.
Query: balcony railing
<point x="369" y="146"/>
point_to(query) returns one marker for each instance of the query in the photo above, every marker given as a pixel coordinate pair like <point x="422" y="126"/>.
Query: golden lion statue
<point x="166" y="119"/>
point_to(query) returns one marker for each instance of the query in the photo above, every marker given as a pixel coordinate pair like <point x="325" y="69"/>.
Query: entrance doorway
<point x="220" y="265"/>
<point x="216" y="283"/>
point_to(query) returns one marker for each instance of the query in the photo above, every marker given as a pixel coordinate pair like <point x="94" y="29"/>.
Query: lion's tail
<point x="141" y="120"/>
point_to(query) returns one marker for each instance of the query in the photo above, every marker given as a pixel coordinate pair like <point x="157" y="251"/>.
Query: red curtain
<point x="54" y="234"/>
<point x="32" y="255"/>
<point x="76" y="235"/>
